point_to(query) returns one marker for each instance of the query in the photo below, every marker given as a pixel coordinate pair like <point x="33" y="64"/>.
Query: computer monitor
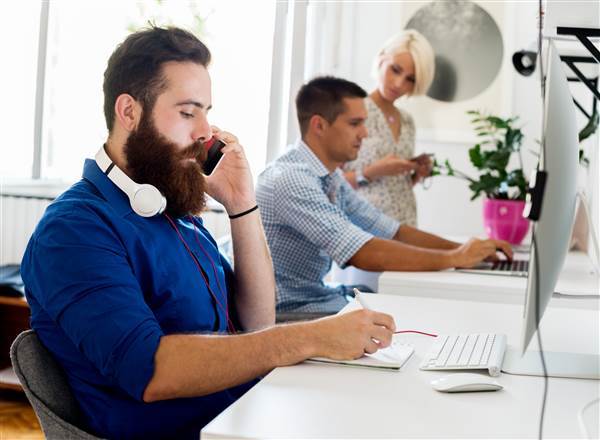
<point x="552" y="232"/>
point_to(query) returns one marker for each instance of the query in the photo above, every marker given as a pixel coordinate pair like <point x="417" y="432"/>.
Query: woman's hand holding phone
<point x="424" y="165"/>
<point x="390" y="165"/>
<point x="230" y="182"/>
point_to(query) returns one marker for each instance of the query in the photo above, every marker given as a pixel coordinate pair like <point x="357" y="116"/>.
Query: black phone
<point x="416" y="159"/>
<point x="213" y="155"/>
<point x="430" y="155"/>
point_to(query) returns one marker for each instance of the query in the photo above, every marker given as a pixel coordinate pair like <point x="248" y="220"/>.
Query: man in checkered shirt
<point x="312" y="216"/>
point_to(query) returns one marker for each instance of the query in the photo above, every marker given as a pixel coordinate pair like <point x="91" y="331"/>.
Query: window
<point x="81" y="37"/>
<point x="19" y="36"/>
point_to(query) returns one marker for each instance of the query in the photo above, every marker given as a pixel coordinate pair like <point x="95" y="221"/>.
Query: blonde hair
<point x="416" y="44"/>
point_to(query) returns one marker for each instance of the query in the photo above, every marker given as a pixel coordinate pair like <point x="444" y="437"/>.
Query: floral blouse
<point x="391" y="194"/>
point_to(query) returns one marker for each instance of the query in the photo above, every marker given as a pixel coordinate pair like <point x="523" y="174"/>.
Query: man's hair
<point x="135" y="67"/>
<point x="324" y="96"/>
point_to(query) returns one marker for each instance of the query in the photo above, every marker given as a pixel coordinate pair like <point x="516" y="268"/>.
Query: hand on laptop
<point x="504" y="249"/>
<point x="475" y="251"/>
<point x="351" y="335"/>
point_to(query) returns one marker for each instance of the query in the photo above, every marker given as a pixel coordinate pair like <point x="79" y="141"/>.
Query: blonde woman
<point x="386" y="169"/>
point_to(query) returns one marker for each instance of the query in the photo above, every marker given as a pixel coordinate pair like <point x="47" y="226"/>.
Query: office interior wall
<point x="580" y="13"/>
<point x="341" y="39"/>
<point x="20" y="212"/>
<point x="362" y="27"/>
<point x="18" y="218"/>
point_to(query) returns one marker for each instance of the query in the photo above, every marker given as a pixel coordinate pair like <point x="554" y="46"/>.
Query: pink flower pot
<point x="503" y="220"/>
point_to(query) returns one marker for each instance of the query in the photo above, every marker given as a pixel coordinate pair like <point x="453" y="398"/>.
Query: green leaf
<point x="513" y="139"/>
<point x="496" y="160"/>
<point x="449" y="168"/>
<point x="582" y="159"/>
<point x="591" y="126"/>
<point x="475" y="156"/>
<point x="498" y="139"/>
<point x="487" y="183"/>
<point x="497" y="122"/>
<point x="516" y="179"/>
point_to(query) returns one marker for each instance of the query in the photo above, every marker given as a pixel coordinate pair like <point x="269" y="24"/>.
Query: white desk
<point x="577" y="278"/>
<point x="330" y="401"/>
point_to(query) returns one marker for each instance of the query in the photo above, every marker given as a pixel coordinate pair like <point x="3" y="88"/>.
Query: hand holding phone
<point x="425" y="164"/>
<point x="230" y="182"/>
<point x="422" y="159"/>
<point x="213" y="155"/>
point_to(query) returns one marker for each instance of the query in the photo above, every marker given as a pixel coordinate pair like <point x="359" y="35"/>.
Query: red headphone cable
<point x="416" y="331"/>
<point x="230" y="325"/>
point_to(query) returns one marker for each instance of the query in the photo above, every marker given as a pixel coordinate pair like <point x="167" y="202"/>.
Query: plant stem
<point x="461" y="175"/>
<point x="520" y="156"/>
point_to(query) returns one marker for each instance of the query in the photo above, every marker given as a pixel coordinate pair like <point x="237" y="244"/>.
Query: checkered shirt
<point x="311" y="218"/>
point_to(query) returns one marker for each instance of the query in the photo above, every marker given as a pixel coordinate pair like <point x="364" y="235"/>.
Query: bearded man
<point x="156" y="332"/>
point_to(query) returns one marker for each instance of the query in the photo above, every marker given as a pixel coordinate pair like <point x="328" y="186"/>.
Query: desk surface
<point x="576" y="278"/>
<point x="330" y="401"/>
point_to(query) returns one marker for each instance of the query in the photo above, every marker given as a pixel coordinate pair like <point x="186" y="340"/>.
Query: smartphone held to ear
<point x="213" y="155"/>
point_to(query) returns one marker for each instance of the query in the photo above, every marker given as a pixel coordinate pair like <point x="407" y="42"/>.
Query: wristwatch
<point x="361" y="180"/>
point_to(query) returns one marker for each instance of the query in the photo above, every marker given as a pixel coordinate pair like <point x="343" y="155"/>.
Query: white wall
<point x="343" y="40"/>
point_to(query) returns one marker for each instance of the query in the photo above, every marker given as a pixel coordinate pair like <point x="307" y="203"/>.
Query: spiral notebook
<point x="389" y="358"/>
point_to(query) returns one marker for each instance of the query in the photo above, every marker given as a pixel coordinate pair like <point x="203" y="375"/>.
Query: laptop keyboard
<point x="512" y="266"/>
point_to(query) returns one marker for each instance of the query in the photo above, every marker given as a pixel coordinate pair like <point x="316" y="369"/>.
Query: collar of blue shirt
<point x="330" y="180"/>
<point x="312" y="160"/>
<point x="113" y="195"/>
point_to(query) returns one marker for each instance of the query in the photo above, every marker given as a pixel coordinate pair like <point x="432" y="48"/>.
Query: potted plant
<point x="504" y="189"/>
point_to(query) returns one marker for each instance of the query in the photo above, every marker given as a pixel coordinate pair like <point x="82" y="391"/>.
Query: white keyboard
<point x="477" y="351"/>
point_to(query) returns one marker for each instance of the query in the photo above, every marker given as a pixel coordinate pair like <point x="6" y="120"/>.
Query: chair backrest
<point x="47" y="388"/>
<point x="281" y="317"/>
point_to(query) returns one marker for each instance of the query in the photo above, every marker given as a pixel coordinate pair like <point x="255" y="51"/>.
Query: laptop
<point x="518" y="267"/>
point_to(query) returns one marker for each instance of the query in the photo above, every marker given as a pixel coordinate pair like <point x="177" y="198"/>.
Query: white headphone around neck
<point x="145" y="200"/>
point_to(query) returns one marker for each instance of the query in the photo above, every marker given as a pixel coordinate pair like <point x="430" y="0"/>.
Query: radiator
<point x="19" y="216"/>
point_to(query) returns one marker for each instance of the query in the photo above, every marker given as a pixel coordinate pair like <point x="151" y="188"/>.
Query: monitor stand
<point x="572" y="365"/>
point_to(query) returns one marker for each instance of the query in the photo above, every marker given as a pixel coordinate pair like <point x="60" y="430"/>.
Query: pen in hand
<point x="359" y="297"/>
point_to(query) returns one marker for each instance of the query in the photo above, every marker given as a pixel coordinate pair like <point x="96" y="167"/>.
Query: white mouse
<point x="463" y="382"/>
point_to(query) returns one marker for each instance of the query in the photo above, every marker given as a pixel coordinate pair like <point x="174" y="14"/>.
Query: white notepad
<point x="389" y="358"/>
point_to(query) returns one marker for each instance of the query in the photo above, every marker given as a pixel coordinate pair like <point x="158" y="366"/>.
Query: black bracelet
<point x="244" y="213"/>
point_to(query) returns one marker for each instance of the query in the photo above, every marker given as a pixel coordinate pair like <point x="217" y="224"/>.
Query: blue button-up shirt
<point x="104" y="285"/>
<point x="311" y="217"/>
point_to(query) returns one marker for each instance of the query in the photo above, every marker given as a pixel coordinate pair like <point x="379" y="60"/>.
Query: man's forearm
<point x="197" y="365"/>
<point x="380" y="255"/>
<point x="255" y="282"/>
<point x="416" y="237"/>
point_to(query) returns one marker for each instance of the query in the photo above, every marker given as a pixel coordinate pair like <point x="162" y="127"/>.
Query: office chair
<point x="47" y="389"/>
<point x="225" y="246"/>
<point x="299" y="316"/>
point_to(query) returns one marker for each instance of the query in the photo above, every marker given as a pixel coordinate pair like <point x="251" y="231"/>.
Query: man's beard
<point x="152" y="159"/>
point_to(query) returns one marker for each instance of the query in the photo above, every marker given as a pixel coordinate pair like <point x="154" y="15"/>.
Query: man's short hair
<point x="135" y="67"/>
<point x="324" y="96"/>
